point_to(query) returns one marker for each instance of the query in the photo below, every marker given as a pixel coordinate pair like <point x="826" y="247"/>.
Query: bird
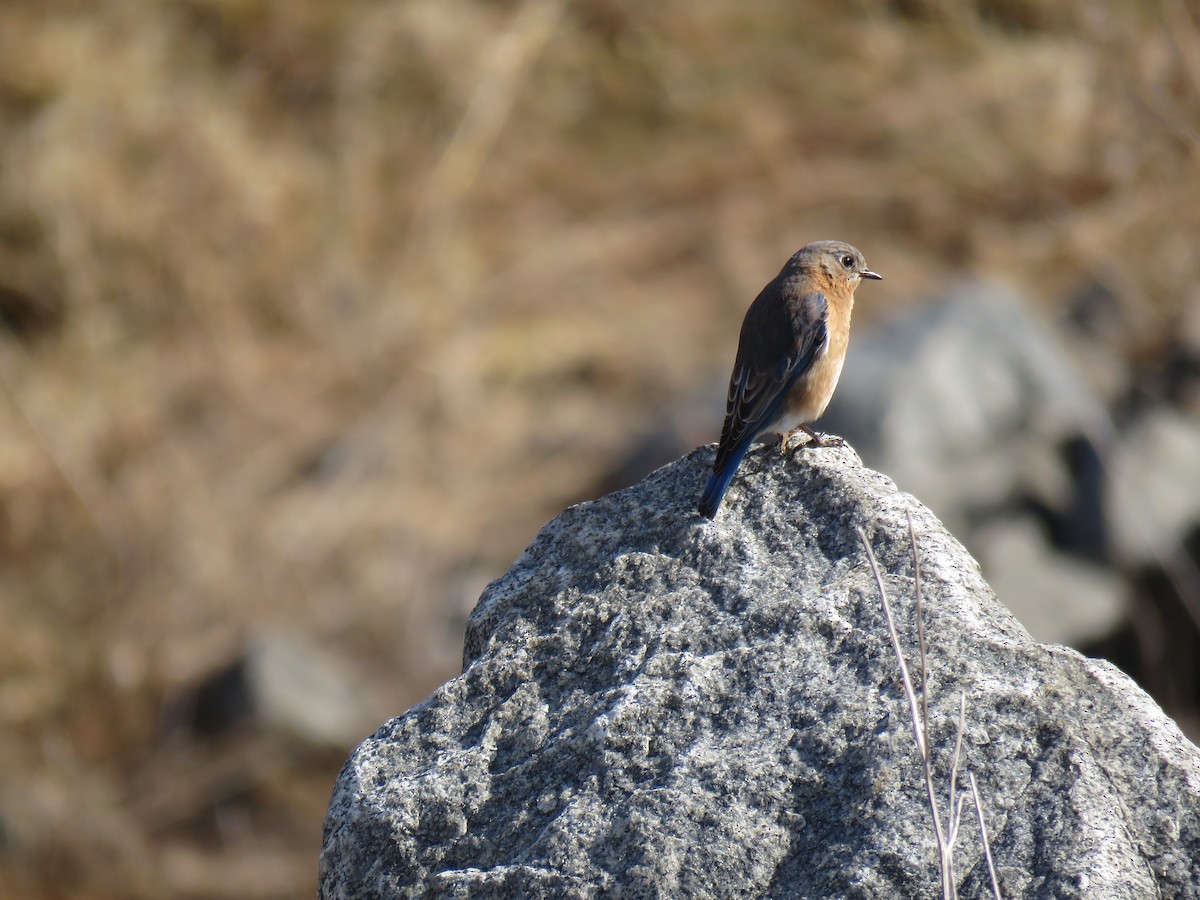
<point x="790" y="353"/>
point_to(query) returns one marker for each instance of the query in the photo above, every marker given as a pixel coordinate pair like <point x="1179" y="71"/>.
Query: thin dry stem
<point x="954" y="760"/>
<point x="919" y="713"/>
<point x="919" y="601"/>
<point x="945" y="861"/>
<point x="504" y="70"/>
<point x="80" y="483"/>
<point x="983" y="836"/>
<point x="905" y="678"/>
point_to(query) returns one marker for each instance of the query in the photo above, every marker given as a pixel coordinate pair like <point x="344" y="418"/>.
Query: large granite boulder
<point x="658" y="706"/>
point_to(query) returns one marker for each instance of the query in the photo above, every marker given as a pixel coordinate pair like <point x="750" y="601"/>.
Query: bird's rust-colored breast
<point x="814" y="389"/>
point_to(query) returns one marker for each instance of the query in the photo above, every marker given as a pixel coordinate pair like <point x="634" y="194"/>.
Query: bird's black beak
<point x="874" y="276"/>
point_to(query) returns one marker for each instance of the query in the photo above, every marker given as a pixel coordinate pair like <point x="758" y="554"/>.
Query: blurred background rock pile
<point x="313" y="313"/>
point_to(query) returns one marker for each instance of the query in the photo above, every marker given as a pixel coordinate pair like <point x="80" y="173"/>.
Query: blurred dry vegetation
<point x="316" y="311"/>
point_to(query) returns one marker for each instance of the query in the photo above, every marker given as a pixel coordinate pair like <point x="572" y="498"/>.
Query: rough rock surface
<point x="657" y="706"/>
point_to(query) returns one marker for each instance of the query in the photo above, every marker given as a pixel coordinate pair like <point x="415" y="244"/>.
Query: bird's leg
<point x="821" y="440"/>
<point x="787" y="442"/>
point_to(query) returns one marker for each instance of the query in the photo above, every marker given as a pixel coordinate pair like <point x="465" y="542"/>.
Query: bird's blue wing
<point x="757" y="390"/>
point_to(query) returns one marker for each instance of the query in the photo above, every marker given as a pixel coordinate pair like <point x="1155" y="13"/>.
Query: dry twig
<point x="919" y="714"/>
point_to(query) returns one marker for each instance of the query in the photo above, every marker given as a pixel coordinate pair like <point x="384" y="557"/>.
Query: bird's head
<point x="838" y="262"/>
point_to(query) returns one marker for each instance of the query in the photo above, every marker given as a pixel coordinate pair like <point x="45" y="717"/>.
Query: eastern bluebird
<point x="789" y="357"/>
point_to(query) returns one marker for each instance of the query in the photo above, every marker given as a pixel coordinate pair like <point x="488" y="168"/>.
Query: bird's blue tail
<point x="718" y="484"/>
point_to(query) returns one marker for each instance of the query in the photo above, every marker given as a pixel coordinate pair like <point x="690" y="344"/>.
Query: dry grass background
<point x="317" y="311"/>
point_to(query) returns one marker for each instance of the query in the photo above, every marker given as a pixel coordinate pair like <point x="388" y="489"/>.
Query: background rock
<point x="285" y="683"/>
<point x="1154" y="488"/>
<point x="1058" y="598"/>
<point x="964" y="402"/>
<point x="972" y="404"/>
<point x="653" y="705"/>
<point x="1060" y="457"/>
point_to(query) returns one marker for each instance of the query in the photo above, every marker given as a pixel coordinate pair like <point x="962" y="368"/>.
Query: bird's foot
<point x="825" y="440"/>
<point x="815" y="439"/>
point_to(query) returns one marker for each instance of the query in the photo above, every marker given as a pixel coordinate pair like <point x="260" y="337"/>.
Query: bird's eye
<point x="848" y="261"/>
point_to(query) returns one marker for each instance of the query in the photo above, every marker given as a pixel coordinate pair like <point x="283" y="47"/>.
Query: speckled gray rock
<point x="658" y="706"/>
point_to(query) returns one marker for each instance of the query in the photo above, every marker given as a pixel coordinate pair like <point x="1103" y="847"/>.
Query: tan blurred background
<point x="315" y="312"/>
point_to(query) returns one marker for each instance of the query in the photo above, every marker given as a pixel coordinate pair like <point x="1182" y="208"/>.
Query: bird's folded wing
<point x="759" y="386"/>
